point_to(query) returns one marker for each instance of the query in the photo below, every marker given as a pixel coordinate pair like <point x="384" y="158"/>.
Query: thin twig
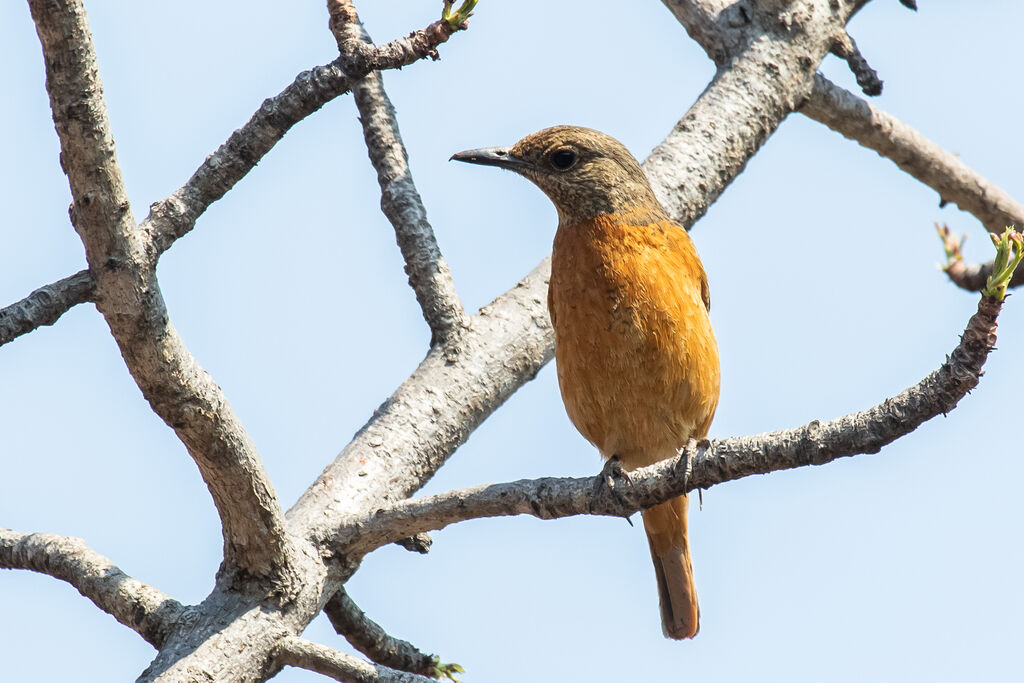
<point x="45" y="305"/>
<point x="305" y="654"/>
<point x="373" y="641"/>
<point x="699" y="466"/>
<point x="142" y="608"/>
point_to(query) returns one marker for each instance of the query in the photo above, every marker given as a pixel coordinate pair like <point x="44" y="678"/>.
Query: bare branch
<point x="859" y="120"/>
<point x="373" y="641"/>
<point x="721" y="30"/>
<point x="428" y="271"/>
<point x="707" y="23"/>
<point x="142" y="608"/>
<point x="766" y="70"/>
<point x="305" y="654"/>
<point x="973" y="276"/>
<point x="434" y="410"/>
<point x="361" y="57"/>
<point x="176" y="215"/>
<point x="45" y="305"/>
<point x="699" y="466"/>
<point x="122" y="260"/>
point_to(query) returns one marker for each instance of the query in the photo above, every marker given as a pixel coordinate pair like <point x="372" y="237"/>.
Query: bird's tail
<point x="670" y="549"/>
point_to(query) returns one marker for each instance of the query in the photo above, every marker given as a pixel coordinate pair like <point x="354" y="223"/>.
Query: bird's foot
<point x="613" y="491"/>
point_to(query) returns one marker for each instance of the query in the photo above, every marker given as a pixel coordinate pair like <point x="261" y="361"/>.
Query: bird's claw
<point x="613" y="491"/>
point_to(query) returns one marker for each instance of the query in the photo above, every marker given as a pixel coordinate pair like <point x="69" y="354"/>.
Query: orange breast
<point x="637" y="359"/>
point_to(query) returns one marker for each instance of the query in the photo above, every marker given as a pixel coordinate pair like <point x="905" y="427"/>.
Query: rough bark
<point x="339" y="666"/>
<point x="142" y="608"/>
<point x="45" y="305"/>
<point x="429" y="275"/>
<point x="122" y="262"/>
<point x="368" y="637"/>
<point x="859" y="120"/>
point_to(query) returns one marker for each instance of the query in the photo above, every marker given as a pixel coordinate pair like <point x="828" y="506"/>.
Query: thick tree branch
<point x="721" y="29"/>
<point x="122" y="261"/>
<point x="45" y="305"/>
<point x="699" y="466"/>
<point x="305" y="654"/>
<point x="428" y="271"/>
<point x="767" y="60"/>
<point x="142" y="608"/>
<point x="859" y="120"/>
<point x="368" y="637"/>
<point x="433" y="412"/>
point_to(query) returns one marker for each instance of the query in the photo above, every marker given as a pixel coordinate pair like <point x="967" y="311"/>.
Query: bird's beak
<point x="491" y="156"/>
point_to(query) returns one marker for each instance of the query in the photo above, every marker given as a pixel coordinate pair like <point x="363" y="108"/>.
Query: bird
<point x="636" y="357"/>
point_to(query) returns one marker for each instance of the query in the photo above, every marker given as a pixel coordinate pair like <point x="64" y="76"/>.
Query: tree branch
<point x="766" y="70"/>
<point x="859" y="120"/>
<point x="428" y="271"/>
<point x="721" y="30"/>
<point x="433" y="412"/>
<point x="361" y="57"/>
<point x="142" y="608"/>
<point x="700" y="465"/>
<point x="45" y="305"/>
<point x="368" y="637"/>
<point x="305" y="654"/>
<point x="122" y="261"/>
<point x="970" y="276"/>
<point x="176" y="215"/>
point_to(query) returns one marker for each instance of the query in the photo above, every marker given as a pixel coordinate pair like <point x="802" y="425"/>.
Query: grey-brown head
<point x="585" y="172"/>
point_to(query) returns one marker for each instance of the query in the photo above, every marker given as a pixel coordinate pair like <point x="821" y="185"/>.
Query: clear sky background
<point x="822" y="258"/>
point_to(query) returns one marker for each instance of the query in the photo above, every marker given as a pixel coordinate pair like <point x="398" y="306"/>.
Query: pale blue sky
<point x="290" y="291"/>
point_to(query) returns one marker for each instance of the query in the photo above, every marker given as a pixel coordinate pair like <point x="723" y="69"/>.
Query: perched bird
<point x="636" y="357"/>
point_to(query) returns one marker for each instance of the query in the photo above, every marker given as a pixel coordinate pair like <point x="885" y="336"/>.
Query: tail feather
<point x="670" y="549"/>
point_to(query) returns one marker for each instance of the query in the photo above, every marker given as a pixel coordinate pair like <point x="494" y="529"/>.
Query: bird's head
<point x="585" y="172"/>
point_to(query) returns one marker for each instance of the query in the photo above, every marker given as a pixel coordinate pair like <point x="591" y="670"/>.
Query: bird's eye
<point x="563" y="159"/>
